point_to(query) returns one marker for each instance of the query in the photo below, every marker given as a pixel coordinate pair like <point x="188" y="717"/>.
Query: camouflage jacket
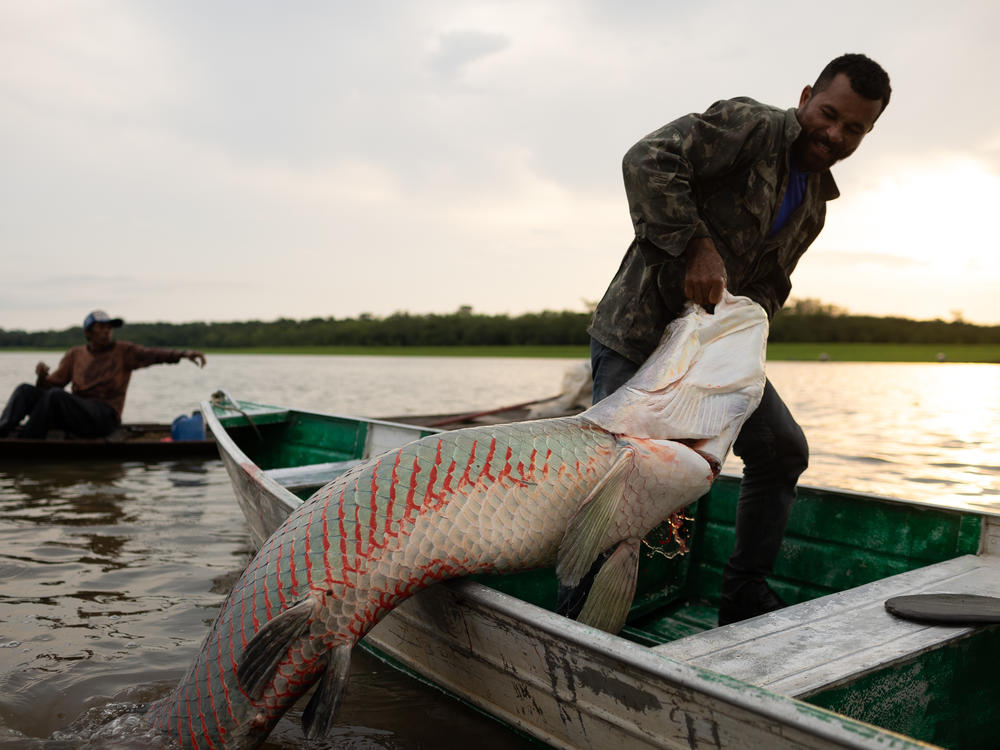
<point x="721" y="174"/>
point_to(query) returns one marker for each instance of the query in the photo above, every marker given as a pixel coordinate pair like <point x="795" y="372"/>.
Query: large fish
<point x="499" y="498"/>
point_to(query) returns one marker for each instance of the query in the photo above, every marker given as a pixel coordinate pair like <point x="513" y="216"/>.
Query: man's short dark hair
<point x="867" y="77"/>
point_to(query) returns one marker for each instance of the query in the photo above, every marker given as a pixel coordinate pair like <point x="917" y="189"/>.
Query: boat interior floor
<point x="835" y="639"/>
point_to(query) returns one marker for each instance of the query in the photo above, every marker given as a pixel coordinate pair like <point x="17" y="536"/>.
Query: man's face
<point x="99" y="334"/>
<point x="834" y="120"/>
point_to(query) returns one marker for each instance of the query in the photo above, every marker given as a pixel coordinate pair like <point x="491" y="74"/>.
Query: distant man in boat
<point x="730" y="199"/>
<point x="100" y="373"/>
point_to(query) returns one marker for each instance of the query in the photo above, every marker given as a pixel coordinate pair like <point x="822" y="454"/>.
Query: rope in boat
<point x="222" y="400"/>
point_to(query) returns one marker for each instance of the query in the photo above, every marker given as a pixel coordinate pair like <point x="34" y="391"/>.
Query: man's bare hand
<point x="705" y="276"/>
<point x="42" y="370"/>
<point x="195" y="356"/>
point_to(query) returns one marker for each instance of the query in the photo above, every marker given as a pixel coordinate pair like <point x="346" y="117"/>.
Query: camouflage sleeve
<point x="663" y="170"/>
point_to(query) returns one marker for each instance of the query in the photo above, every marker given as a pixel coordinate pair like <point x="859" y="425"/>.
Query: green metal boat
<point x="833" y="670"/>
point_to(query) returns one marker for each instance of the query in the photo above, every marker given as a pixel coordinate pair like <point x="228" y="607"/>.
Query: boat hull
<point x="139" y="442"/>
<point x="572" y="686"/>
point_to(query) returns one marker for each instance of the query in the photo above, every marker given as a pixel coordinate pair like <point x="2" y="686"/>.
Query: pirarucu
<point x="497" y="498"/>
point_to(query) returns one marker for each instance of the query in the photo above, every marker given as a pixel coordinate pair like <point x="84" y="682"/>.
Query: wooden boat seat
<point x="310" y="476"/>
<point x="809" y="647"/>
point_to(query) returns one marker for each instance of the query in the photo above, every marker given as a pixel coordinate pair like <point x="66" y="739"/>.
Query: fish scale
<point x="376" y="535"/>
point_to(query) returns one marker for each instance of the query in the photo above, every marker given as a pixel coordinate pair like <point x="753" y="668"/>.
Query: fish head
<point x="699" y="385"/>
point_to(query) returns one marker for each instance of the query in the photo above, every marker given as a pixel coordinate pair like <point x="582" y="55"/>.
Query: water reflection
<point x="919" y="432"/>
<point x="84" y="495"/>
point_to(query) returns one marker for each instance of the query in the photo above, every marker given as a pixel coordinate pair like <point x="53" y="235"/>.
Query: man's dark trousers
<point x="55" y="409"/>
<point x="774" y="452"/>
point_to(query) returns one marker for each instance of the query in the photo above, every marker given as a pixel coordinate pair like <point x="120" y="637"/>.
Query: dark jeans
<point x="55" y="409"/>
<point x="774" y="452"/>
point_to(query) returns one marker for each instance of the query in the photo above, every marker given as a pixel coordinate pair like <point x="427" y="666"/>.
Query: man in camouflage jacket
<point x="730" y="199"/>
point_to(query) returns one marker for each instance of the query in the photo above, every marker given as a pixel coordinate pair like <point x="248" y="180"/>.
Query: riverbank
<point x="776" y="352"/>
<point x="985" y="353"/>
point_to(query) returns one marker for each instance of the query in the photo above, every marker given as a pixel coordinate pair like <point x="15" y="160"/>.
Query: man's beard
<point x="815" y="153"/>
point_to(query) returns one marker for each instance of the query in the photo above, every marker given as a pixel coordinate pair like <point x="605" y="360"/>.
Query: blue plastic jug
<point x="188" y="428"/>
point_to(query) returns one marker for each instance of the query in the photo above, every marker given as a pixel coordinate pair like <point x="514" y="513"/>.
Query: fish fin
<point x="262" y="655"/>
<point x="587" y="530"/>
<point x="611" y="596"/>
<point x="318" y="717"/>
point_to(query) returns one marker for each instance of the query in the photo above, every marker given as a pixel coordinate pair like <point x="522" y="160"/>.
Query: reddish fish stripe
<point x="201" y="713"/>
<point x="507" y="468"/>
<point x="446" y="487"/>
<point x="411" y="491"/>
<point x="489" y="460"/>
<point x="346" y="565"/>
<point x="222" y="682"/>
<point x="342" y="531"/>
<point x="267" y="589"/>
<point x="356" y="495"/>
<point x="466" y="480"/>
<point x="243" y="604"/>
<point x="190" y="723"/>
<point x="391" y="504"/>
<point x="292" y="577"/>
<point x="432" y="474"/>
<point x="180" y="724"/>
<point x="327" y="558"/>
<point x="373" y="509"/>
<point x="279" y="584"/>
<point x="359" y="536"/>
<point x="308" y="551"/>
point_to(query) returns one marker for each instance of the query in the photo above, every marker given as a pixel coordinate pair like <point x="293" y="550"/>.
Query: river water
<point x="111" y="573"/>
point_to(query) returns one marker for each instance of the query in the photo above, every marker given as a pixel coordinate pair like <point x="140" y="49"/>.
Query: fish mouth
<point x="692" y="444"/>
<point x="713" y="463"/>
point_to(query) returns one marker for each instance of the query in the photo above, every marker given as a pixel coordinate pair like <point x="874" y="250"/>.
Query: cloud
<point x="344" y="157"/>
<point x="457" y="50"/>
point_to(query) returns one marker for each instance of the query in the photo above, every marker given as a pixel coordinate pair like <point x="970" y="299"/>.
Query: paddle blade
<point x="951" y="609"/>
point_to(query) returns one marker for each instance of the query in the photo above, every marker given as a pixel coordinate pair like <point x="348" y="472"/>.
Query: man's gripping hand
<point x="705" y="274"/>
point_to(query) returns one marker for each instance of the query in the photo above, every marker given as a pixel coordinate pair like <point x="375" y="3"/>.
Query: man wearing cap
<point x="100" y="373"/>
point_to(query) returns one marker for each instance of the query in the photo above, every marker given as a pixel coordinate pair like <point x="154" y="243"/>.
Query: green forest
<point x="801" y="322"/>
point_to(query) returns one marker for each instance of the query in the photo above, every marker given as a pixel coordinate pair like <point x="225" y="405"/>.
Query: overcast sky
<point x="185" y="160"/>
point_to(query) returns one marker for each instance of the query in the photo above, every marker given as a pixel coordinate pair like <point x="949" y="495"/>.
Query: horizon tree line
<point x="801" y="321"/>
